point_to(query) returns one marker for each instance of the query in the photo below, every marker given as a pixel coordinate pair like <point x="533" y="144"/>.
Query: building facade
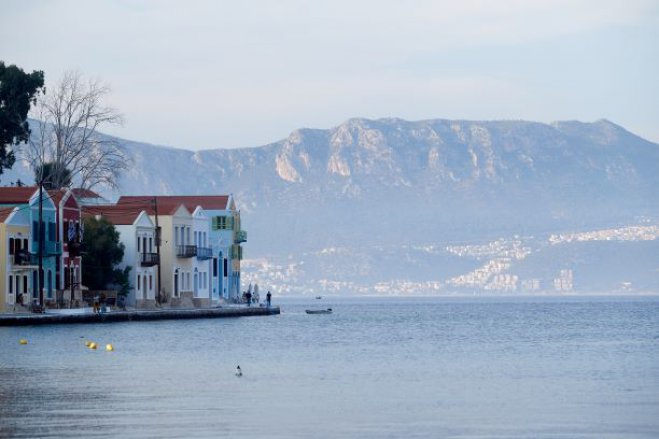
<point x="22" y="249"/>
<point x="137" y="233"/>
<point x="68" y="266"/>
<point x="225" y="238"/>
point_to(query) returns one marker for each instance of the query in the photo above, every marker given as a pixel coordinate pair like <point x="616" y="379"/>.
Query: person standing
<point x="268" y="297"/>
<point x="248" y="298"/>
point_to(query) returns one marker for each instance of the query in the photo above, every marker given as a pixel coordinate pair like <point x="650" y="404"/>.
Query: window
<point x="138" y="245"/>
<point x="18" y="285"/>
<point x="138" y="282"/>
<point x="224" y="273"/>
<point x="150" y="244"/>
<point x="215" y="267"/>
<point x="150" y="282"/>
<point x="222" y="223"/>
<point x="11" y="284"/>
<point x="144" y="244"/>
<point x="176" y="236"/>
<point x="11" y="246"/>
<point x="52" y="233"/>
<point x="187" y="233"/>
<point x="25" y="284"/>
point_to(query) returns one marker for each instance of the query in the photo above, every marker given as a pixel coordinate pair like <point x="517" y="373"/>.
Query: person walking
<point x="268" y="298"/>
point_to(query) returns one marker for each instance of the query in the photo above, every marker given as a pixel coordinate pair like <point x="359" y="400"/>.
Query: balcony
<point x="241" y="236"/>
<point x="25" y="258"/>
<point x="186" y="251"/>
<point x="149" y="259"/>
<point x="204" y="253"/>
<point x="75" y="248"/>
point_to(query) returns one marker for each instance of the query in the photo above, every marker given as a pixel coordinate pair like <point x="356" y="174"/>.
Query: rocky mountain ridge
<point x="390" y="183"/>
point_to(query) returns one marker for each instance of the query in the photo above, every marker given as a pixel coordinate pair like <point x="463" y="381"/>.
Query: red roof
<point x="117" y="215"/>
<point x="167" y="204"/>
<point x="84" y="193"/>
<point x="4" y="213"/>
<point x="16" y="195"/>
<point x="56" y="195"/>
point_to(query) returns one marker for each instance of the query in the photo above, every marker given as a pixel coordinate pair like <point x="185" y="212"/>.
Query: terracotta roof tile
<point x="57" y="195"/>
<point x="4" y="213"/>
<point x="16" y="195"/>
<point x="167" y="204"/>
<point x="117" y="215"/>
<point x="84" y="193"/>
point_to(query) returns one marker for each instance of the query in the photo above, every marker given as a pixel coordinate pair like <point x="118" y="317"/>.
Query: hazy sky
<point x="211" y="74"/>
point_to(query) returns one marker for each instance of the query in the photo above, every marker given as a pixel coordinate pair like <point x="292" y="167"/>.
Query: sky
<point x="204" y="74"/>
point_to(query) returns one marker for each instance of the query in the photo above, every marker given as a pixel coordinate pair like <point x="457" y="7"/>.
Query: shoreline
<point x="135" y="315"/>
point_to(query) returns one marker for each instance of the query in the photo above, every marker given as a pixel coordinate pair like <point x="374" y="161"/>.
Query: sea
<point x="494" y="367"/>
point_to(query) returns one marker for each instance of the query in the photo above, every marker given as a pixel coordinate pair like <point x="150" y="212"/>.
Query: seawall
<point x="135" y="315"/>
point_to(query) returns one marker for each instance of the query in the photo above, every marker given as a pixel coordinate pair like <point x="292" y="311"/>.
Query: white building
<point x="138" y="235"/>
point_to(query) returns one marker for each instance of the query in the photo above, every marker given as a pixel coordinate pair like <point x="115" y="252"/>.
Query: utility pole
<point x="41" y="236"/>
<point x="155" y="208"/>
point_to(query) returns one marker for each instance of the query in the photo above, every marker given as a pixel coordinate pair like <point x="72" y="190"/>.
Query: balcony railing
<point x="25" y="258"/>
<point x="204" y="253"/>
<point x="149" y="259"/>
<point x="75" y="248"/>
<point x="241" y="236"/>
<point x="186" y="251"/>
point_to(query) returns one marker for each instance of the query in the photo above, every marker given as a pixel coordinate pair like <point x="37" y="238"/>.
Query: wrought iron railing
<point x="149" y="259"/>
<point x="186" y="251"/>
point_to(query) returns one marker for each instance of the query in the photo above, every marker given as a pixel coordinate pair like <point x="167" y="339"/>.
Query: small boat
<point x="319" y="297"/>
<point x="319" y="311"/>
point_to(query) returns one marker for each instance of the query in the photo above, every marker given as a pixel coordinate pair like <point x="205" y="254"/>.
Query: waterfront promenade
<point x="47" y="318"/>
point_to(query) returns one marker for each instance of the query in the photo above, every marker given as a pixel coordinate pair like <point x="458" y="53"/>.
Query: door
<point x="196" y="283"/>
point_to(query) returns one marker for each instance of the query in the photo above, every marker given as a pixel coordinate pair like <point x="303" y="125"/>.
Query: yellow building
<point x="16" y="265"/>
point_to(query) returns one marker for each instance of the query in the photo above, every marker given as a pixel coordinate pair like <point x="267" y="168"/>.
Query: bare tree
<point x="66" y="141"/>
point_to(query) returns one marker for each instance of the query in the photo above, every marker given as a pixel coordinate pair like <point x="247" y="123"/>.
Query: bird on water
<point x="239" y="372"/>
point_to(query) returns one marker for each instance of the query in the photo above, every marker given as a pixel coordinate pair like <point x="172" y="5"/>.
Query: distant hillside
<point x="387" y="183"/>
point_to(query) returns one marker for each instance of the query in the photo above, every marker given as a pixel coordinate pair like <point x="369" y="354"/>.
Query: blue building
<point x="26" y="201"/>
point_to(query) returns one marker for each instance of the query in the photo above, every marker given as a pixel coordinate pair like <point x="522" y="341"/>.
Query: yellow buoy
<point x="87" y="343"/>
<point x="23" y="341"/>
<point x="109" y="347"/>
<point x="92" y="345"/>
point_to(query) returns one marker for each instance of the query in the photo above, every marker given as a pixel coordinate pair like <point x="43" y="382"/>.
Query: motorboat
<point x="319" y="311"/>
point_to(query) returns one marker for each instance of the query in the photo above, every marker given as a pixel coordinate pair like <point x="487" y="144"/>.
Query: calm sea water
<point x="455" y="368"/>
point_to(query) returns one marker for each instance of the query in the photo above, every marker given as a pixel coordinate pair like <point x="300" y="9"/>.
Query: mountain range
<point x="379" y="206"/>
